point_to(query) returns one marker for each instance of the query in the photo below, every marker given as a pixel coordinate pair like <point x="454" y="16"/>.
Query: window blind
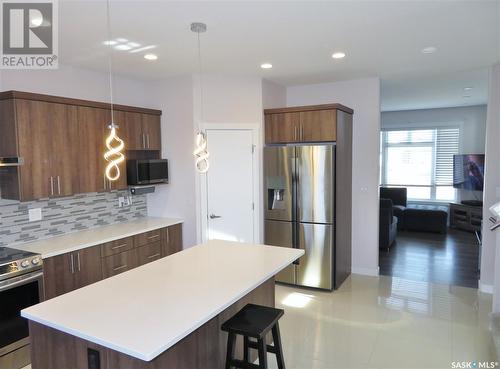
<point x="447" y="144"/>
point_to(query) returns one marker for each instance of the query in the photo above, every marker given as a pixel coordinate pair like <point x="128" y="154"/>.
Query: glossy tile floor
<point x="384" y="323"/>
<point x="451" y="259"/>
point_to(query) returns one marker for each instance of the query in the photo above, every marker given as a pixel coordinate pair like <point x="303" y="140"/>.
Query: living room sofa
<point x="388" y="224"/>
<point x="398" y="196"/>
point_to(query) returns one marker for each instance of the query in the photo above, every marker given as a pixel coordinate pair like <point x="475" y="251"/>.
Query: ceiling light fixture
<point x="150" y="57"/>
<point x="429" y="50"/>
<point x="110" y="42"/>
<point x="114" y="144"/>
<point x="468" y="88"/>
<point x="200" y="152"/>
<point x="338" y="55"/>
<point x="266" y="65"/>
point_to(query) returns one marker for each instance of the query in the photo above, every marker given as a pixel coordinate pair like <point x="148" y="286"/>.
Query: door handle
<point x="213" y="216"/>
<point x="52" y="185"/>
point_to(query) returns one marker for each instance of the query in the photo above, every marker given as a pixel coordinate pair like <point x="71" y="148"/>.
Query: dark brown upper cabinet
<point x="62" y="143"/>
<point x="307" y="124"/>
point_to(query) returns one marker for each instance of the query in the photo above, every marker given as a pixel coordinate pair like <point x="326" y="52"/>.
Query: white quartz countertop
<point x="95" y="236"/>
<point x="146" y="310"/>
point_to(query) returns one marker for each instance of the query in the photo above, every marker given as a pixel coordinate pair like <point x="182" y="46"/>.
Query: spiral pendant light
<point x="200" y="153"/>
<point x="114" y="144"/>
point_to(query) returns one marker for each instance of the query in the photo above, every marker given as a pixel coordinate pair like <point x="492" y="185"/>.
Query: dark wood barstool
<point x="254" y="321"/>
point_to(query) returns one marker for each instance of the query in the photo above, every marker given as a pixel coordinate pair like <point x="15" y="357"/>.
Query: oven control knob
<point x="35" y="261"/>
<point x="25" y="263"/>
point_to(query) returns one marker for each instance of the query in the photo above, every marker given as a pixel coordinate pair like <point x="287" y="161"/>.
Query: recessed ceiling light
<point x="429" y="50"/>
<point x="468" y="88"/>
<point x="150" y="57"/>
<point x="266" y="65"/>
<point x="121" y="39"/>
<point x="338" y="55"/>
<point x="123" y="47"/>
<point x="110" y="42"/>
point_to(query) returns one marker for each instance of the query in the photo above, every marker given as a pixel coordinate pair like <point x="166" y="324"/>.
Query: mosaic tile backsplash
<point x="65" y="215"/>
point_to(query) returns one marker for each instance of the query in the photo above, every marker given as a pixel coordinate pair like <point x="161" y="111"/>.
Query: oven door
<point x="17" y="293"/>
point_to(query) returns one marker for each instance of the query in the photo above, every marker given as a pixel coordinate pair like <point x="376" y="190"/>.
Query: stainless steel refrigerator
<point x="300" y="210"/>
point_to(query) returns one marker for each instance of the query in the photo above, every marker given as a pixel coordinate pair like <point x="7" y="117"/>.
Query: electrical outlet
<point x="121" y="201"/>
<point x="35" y="215"/>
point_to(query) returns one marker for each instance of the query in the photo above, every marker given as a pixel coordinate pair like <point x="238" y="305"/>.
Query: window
<point x="421" y="160"/>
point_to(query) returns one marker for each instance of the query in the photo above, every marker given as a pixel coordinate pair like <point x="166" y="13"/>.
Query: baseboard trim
<point x="485" y="288"/>
<point x="373" y="272"/>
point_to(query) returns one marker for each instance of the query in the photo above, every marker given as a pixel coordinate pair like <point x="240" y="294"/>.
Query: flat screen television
<point x="468" y="171"/>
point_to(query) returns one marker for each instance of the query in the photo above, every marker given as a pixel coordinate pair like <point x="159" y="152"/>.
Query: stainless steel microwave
<point x="147" y="171"/>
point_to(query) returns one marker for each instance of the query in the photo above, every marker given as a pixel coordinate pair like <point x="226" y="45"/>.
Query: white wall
<point x="490" y="259"/>
<point x="273" y="95"/>
<point x="363" y="96"/>
<point x="78" y="83"/>
<point x="177" y="199"/>
<point x="472" y="121"/>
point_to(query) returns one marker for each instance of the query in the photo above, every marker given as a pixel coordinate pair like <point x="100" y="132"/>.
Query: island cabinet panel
<point x="67" y="272"/>
<point x="62" y="144"/>
<point x="171" y="239"/>
<point x="204" y="348"/>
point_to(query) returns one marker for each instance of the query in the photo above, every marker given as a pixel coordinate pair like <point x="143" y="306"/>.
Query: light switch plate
<point x="35" y="215"/>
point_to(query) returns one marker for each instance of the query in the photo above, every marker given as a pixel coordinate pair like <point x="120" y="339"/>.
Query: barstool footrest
<point x="255" y="346"/>
<point x="243" y="364"/>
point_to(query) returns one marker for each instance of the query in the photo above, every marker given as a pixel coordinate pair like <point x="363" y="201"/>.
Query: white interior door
<point x="230" y="185"/>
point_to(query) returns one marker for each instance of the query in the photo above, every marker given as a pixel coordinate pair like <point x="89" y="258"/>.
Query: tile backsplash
<point x="65" y="215"/>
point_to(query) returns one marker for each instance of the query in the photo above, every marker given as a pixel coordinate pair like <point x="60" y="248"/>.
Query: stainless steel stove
<point x="21" y="286"/>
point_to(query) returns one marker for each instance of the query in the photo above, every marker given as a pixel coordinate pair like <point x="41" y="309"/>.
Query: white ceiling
<point x="381" y="38"/>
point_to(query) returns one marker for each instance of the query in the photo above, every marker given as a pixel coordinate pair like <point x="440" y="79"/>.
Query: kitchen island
<point x="165" y="314"/>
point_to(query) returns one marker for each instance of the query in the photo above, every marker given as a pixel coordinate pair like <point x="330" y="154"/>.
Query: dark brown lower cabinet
<point x="149" y="253"/>
<point x="67" y="272"/>
<point x="119" y="263"/>
<point x="172" y="239"/>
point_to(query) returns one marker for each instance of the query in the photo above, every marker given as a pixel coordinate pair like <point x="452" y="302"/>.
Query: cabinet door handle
<point x="104" y="181"/>
<point x="168" y="235"/>
<point x="119" y="246"/>
<point x="153" y="256"/>
<point x="58" y="185"/>
<point x="120" y="267"/>
<point x="301" y="132"/>
<point x="72" y="267"/>
<point x="148" y="140"/>
<point x="78" y="262"/>
<point x="52" y="185"/>
<point x="151" y="237"/>
<point x="143" y="140"/>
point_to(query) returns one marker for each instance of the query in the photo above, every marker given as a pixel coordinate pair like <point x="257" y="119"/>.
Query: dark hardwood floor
<point x="450" y="259"/>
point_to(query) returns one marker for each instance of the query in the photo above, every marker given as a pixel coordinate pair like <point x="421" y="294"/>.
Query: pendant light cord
<point x="201" y="82"/>
<point x="110" y="61"/>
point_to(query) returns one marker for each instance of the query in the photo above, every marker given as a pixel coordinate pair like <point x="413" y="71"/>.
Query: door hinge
<point x="253" y="149"/>
<point x="253" y="206"/>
